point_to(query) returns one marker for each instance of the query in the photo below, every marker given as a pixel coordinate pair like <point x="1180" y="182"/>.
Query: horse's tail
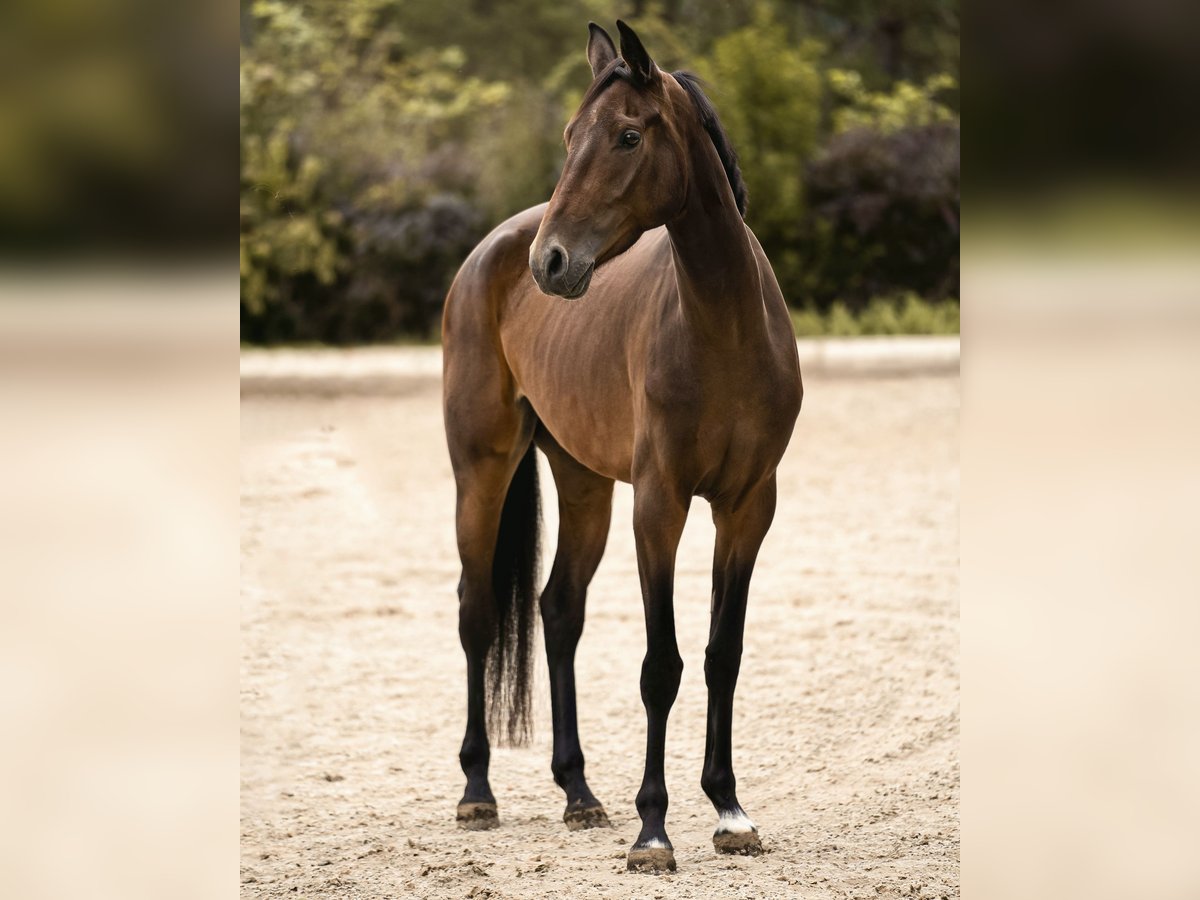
<point x="514" y="579"/>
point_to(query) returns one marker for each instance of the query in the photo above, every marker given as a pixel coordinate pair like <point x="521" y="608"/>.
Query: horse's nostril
<point x="555" y="262"/>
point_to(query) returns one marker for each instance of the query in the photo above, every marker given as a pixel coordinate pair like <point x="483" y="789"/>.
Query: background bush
<point x="380" y="140"/>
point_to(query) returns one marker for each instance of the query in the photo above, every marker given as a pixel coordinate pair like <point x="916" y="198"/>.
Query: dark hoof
<point x="477" y="816"/>
<point x="651" y="859"/>
<point x="745" y="843"/>
<point x="580" y="817"/>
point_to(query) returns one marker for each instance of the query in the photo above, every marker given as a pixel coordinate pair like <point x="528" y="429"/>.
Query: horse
<point x="631" y="329"/>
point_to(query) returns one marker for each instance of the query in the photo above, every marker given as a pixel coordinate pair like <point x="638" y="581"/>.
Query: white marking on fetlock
<point x="735" y="823"/>
<point x="653" y="844"/>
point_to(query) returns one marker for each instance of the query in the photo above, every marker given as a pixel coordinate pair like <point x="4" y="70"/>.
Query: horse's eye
<point x="630" y="138"/>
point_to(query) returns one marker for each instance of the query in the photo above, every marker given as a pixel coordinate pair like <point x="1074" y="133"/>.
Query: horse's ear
<point x="601" y="50"/>
<point x="641" y="66"/>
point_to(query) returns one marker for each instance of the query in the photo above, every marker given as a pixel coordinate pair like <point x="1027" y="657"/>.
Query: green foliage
<point x="904" y="106"/>
<point x="345" y="129"/>
<point x="889" y="41"/>
<point x="907" y="314"/>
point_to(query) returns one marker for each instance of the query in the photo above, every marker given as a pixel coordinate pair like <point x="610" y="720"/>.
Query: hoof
<point x="745" y="843"/>
<point x="477" y="816"/>
<point x="580" y="817"/>
<point x="651" y="859"/>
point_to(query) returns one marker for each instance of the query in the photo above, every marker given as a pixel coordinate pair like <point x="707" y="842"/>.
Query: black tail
<point x="514" y="578"/>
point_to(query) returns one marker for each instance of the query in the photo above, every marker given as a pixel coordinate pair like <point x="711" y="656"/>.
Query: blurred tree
<point x="768" y="93"/>
<point x="888" y="40"/>
<point x="349" y="136"/>
<point x="884" y="195"/>
<point x="906" y="105"/>
<point x="885" y="216"/>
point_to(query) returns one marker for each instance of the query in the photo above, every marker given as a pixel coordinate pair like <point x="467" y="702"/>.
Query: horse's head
<point x="626" y="168"/>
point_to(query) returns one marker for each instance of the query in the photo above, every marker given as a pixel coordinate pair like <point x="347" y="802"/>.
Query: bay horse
<point x="678" y="374"/>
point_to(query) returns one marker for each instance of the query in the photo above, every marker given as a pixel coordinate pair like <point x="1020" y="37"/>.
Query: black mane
<point x="708" y="117"/>
<point x="617" y="70"/>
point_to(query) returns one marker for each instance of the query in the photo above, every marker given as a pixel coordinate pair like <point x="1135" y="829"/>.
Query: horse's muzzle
<point x="557" y="273"/>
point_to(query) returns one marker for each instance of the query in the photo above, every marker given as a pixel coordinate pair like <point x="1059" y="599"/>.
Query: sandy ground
<point x="353" y="685"/>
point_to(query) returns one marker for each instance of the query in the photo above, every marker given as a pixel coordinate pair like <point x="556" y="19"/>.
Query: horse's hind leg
<point x="481" y="500"/>
<point x="485" y="452"/>
<point x="585" y="510"/>
<point x="740" y="531"/>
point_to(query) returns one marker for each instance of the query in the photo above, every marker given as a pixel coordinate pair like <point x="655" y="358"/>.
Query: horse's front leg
<point x="658" y="518"/>
<point x="741" y="528"/>
<point x="584" y="512"/>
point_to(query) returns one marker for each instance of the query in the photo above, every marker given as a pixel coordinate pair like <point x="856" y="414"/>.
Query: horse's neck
<point x="720" y="289"/>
